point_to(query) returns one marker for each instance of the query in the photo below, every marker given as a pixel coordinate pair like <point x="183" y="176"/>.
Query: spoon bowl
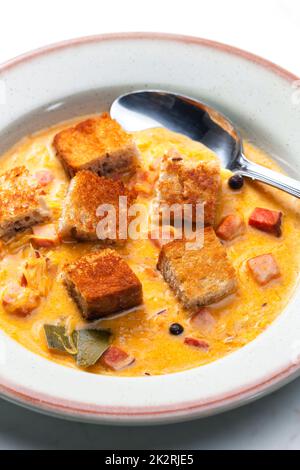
<point x="144" y="109"/>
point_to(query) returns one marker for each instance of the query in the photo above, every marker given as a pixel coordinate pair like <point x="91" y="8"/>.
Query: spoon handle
<point x="260" y="173"/>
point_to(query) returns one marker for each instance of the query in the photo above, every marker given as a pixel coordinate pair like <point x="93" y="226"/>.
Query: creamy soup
<point x="144" y="332"/>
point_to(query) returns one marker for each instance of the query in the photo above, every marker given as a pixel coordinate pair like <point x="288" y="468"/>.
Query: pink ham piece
<point x="44" y="177"/>
<point x="266" y="220"/>
<point x="18" y="300"/>
<point x="203" y="320"/>
<point x="23" y="281"/>
<point x="264" y="268"/>
<point x="197" y="343"/>
<point x="116" y="359"/>
<point x="45" y="236"/>
<point x="144" y="182"/>
<point x="231" y="227"/>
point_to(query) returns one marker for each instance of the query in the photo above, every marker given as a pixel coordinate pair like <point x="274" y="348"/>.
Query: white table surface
<point x="270" y="423"/>
<point x="269" y="28"/>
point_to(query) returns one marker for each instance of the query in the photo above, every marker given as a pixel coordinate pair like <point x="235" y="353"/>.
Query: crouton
<point x="98" y="144"/>
<point x="201" y="276"/>
<point x="189" y="181"/>
<point x="264" y="268"/>
<point x="116" y="359"/>
<point x="102" y="283"/>
<point x="266" y="220"/>
<point x="21" y="205"/>
<point x="87" y="192"/>
<point x="231" y="227"/>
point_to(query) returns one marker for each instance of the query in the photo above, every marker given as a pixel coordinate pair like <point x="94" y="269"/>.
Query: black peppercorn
<point x="176" y="329"/>
<point x="236" y="181"/>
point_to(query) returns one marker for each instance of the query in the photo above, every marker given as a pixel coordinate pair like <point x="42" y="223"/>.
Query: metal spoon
<point x="144" y="109"/>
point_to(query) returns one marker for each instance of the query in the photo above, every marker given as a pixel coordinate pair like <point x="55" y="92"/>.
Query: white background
<point x="270" y="28"/>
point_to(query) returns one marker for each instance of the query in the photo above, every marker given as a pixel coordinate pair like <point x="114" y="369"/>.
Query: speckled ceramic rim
<point x="180" y="412"/>
<point x="161" y="36"/>
<point x="82" y="411"/>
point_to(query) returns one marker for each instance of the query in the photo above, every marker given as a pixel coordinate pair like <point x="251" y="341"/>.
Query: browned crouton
<point x="21" y="205"/>
<point x="87" y="192"/>
<point x="98" y="144"/>
<point x="201" y="276"/>
<point x="187" y="181"/>
<point x="102" y="283"/>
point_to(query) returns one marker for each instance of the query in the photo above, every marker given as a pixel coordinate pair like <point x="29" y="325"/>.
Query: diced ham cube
<point x="266" y="220"/>
<point x="154" y="166"/>
<point x="116" y="359"/>
<point x="145" y="182"/>
<point x="264" y="268"/>
<point x="23" y="281"/>
<point x="18" y="300"/>
<point x="44" y="177"/>
<point x="197" y="343"/>
<point x="231" y="227"/>
<point x="45" y="236"/>
<point x="203" y="320"/>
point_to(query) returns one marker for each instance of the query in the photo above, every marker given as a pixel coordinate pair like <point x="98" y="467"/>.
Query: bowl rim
<point x="66" y="408"/>
<point x="27" y="56"/>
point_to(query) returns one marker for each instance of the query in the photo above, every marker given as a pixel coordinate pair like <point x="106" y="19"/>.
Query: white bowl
<point x="83" y="76"/>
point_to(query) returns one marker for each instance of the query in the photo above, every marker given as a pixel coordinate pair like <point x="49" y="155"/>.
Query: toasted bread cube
<point x="87" y="192"/>
<point x="231" y="226"/>
<point x="102" y="283"/>
<point x="264" y="268"/>
<point x="187" y="181"/>
<point x="266" y="220"/>
<point x="98" y="144"/>
<point x="116" y="359"/>
<point x="199" y="276"/>
<point x="21" y="205"/>
<point x="45" y="236"/>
